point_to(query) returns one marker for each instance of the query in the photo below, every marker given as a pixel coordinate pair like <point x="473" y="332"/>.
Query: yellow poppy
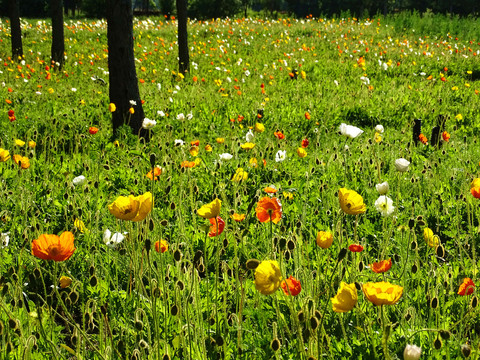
<point x="324" y="239"/>
<point x="145" y="206"/>
<point x="112" y="107"/>
<point x="247" y="146"/>
<point x="301" y="152"/>
<point x="382" y="293"/>
<point x="220" y="140"/>
<point x="351" y="202"/>
<point x="131" y="207"/>
<point x="80" y="225"/>
<point x="19" y="142"/>
<point x="194" y="151"/>
<point x="259" y="127"/>
<point x="268" y="277"/>
<point x="32" y="144"/>
<point x="240" y="175"/>
<point x="211" y="210"/>
<point x="346" y="298"/>
<point x="4" y="155"/>
<point x="431" y="239"/>
<point x="65" y="282"/>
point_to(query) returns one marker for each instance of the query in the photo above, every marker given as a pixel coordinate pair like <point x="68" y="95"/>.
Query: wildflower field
<point x="310" y="190"/>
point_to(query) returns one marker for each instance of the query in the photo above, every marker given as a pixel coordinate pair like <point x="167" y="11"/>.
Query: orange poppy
<point x="195" y="143"/>
<point x="161" y="246"/>
<point x="291" y="286"/>
<point x="269" y="209"/>
<point x="188" y="164"/>
<point x="279" y="135"/>
<point x="23" y="161"/>
<point x="270" y="190"/>
<point x="238" y="217"/>
<point x="445" y="136"/>
<point x="92" y="130"/>
<point x="381" y="266"/>
<point x="54" y="247"/>
<point x="157" y="171"/>
<point x="467" y="287"/>
<point x="213" y="227"/>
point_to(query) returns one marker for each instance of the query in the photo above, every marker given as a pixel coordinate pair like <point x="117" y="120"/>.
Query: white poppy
<point x="350" y="131"/>
<point x="4" y="240"/>
<point x="249" y="137"/>
<point x="112" y="240"/>
<point x="179" y="142"/>
<point x="379" y="128"/>
<point x="280" y="155"/>
<point x="384" y="205"/>
<point x="382" y="188"/>
<point x="79" y="180"/>
<point x="412" y="352"/>
<point x="148" y="124"/>
<point x="225" y="156"/>
<point x="402" y="164"/>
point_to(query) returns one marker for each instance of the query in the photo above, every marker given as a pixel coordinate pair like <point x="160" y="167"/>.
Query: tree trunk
<point x="58" y="43"/>
<point x="16" y="30"/>
<point x="121" y="66"/>
<point x="183" y="57"/>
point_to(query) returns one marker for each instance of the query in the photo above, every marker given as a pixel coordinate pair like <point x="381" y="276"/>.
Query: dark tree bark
<point x="16" y="31"/>
<point x="183" y="57"/>
<point x="121" y="66"/>
<point x="58" y="42"/>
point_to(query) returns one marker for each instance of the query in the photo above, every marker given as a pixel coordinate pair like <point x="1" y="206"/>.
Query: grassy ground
<point x="300" y="79"/>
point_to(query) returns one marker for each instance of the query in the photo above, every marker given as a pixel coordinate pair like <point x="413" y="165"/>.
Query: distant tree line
<point x="207" y="9"/>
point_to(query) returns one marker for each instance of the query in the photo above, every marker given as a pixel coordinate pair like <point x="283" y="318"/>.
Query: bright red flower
<point x="467" y="287"/>
<point x="475" y="192"/>
<point x="11" y="113"/>
<point x="213" y="227"/>
<point x="305" y="143"/>
<point x="381" y="266"/>
<point x="195" y="143"/>
<point x="93" y="130"/>
<point x="279" y="135"/>
<point x="291" y="286"/>
<point x="355" y="248"/>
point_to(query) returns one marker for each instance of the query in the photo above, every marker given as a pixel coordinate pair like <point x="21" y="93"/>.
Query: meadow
<point x="287" y="206"/>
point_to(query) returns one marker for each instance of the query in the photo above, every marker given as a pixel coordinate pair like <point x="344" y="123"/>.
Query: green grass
<point x="198" y="299"/>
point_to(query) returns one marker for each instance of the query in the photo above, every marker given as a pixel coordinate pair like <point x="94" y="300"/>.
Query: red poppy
<point x="213" y="227"/>
<point x="305" y="143"/>
<point x="11" y="113"/>
<point x="291" y="286"/>
<point x="269" y="209"/>
<point x="195" y="143"/>
<point x="279" y="135"/>
<point x="92" y="130"/>
<point x="381" y="266"/>
<point x="355" y="248"/>
<point x="467" y="287"/>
